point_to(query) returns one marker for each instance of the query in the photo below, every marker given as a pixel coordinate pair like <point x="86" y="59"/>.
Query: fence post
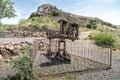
<point x="110" y="57"/>
<point x="35" y="50"/>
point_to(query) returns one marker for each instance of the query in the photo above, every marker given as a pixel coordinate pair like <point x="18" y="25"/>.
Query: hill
<point x="54" y="13"/>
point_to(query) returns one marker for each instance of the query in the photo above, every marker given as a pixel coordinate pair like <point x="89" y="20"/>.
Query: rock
<point x="29" y="42"/>
<point x="9" y="47"/>
<point x="5" y="53"/>
<point x="1" y="57"/>
<point x="2" y="46"/>
<point x="89" y="37"/>
<point x="12" y="43"/>
<point x="45" y="9"/>
<point x="114" y="49"/>
<point x="18" y="46"/>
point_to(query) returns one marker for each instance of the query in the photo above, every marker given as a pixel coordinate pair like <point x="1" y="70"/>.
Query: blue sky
<point x="107" y="10"/>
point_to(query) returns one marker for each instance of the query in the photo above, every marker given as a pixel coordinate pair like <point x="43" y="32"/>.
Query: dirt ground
<point x="110" y="74"/>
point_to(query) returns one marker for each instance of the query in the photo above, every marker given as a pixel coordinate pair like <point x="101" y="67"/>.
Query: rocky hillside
<point x="55" y="13"/>
<point x="47" y="9"/>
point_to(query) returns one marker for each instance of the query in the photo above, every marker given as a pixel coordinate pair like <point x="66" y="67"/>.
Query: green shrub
<point x="32" y="15"/>
<point x="89" y="25"/>
<point x="104" y="39"/>
<point x="22" y="22"/>
<point x="117" y="43"/>
<point x="109" y="24"/>
<point x="55" y="13"/>
<point x="33" y="19"/>
<point x="56" y="24"/>
<point x="40" y="20"/>
<point x="35" y="26"/>
<point x="92" y="24"/>
<point x="45" y="26"/>
<point x="24" y="66"/>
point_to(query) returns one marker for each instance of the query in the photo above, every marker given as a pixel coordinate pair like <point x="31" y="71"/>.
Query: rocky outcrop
<point x="46" y="9"/>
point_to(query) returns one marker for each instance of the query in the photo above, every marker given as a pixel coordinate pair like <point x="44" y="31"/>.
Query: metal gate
<point x="84" y="56"/>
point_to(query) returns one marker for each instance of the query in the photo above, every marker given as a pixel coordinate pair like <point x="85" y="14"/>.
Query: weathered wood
<point x="67" y="30"/>
<point x="35" y="50"/>
<point x="110" y="57"/>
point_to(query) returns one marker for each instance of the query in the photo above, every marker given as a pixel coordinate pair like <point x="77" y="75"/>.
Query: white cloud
<point x="12" y="20"/>
<point x="111" y="16"/>
<point x="105" y="11"/>
<point x="108" y="15"/>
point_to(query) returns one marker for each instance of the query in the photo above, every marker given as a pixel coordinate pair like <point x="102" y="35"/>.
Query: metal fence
<point x="84" y="56"/>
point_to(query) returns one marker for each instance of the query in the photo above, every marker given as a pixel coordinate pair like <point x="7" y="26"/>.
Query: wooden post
<point x="61" y="27"/>
<point x="110" y="57"/>
<point x="35" y="50"/>
<point x="77" y="30"/>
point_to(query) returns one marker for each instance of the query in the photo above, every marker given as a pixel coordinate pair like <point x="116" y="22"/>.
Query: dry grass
<point x="83" y="29"/>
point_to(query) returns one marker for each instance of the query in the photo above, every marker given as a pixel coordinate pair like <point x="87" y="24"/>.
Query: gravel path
<point x="111" y="74"/>
<point x="84" y="35"/>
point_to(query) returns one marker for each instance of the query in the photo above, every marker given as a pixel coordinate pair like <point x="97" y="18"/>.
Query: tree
<point x="6" y="9"/>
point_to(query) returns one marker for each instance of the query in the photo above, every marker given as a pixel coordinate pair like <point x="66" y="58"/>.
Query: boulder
<point x="29" y="42"/>
<point x="18" y="46"/>
<point x="5" y="53"/>
<point x="2" y="46"/>
<point x="12" y="43"/>
<point x="9" y="47"/>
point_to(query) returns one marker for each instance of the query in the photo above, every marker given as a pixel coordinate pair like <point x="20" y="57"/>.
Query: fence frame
<point x="37" y="51"/>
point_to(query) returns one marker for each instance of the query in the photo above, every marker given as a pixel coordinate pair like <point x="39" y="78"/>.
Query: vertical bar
<point x="84" y="55"/>
<point x="35" y="50"/>
<point x="110" y="57"/>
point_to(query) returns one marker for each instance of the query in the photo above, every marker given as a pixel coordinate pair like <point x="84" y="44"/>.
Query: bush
<point x="35" y="26"/>
<point x="22" y="22"/>
<point x="56" y="24"/>
<point x="40" y="20"/>
<point x="117" y="43"/>
<point x="32" y="15"/>
<point x="89" y="25"/>
<point x="24" y="65"/>
<point x="109" y="24"/>
<point x="104" y="39"/>
<point x="45" y="26"/>
<point x="92" y="24"/>
<point x="55" y="13"/>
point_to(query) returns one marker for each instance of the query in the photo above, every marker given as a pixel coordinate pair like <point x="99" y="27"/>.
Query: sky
<point x="107" y="10"/>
